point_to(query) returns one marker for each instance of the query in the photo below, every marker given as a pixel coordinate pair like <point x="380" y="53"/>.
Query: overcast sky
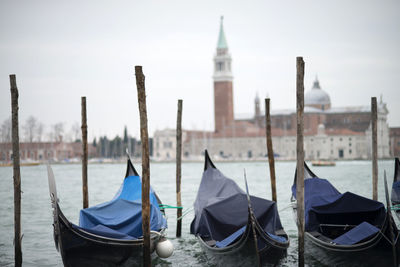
<point x="62" y="51"/>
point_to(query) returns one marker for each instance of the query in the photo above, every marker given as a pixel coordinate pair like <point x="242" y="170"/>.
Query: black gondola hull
<point x="243" y="252"/>
<point x="374" y="252"/>
<point x="79" y="248"/>
<point x="377" y="255"/>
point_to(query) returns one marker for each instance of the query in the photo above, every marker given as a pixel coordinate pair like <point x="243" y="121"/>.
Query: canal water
<point x="105" y="179"/>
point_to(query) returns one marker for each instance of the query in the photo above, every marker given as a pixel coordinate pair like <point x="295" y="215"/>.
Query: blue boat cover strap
<point x="357" y="234"/>
<point x="277" y="237"/>
<point x="227" y="241"/>
<point x="123" y="214"/>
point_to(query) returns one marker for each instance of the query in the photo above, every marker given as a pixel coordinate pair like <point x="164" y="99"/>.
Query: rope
<point x="396" y="207"/>
<point x="384" y="236"/>
<point x="285" y="208"/>
<point x="185" y="213"/>
<point x="165" y="206"/>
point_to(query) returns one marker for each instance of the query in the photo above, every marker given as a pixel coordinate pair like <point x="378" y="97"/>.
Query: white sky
<point x="62" y="51"/>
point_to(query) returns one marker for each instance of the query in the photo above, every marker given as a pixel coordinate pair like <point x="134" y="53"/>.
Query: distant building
<point x="395" y="142"/>
<point x="44" y="151"/>
<point x="330" y="132"/>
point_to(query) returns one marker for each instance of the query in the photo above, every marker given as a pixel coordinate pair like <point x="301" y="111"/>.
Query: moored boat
<point x="22" y="164"/>
<point x="395" y="196"/>
<point x="323" y="163"/>
<point x="232" y="232"/>
<point x="345" y="229"/>
<point x="109" y="234"/>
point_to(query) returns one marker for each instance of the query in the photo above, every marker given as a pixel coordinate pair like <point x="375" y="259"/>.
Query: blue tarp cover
<point x="105" y="231"/>
<point x="277" y="237"/>
<point x="227" y="241"/>
<point x="357" y="234"/>
<point x="317" y="192"/>
<point x="221" y="208"/>
<point x="325" y="205"/>
<point x="123" y="214"/>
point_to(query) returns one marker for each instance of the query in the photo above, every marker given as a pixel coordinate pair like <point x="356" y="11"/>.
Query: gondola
<point x="396" y="188"/>
<point x="109" y="234"/>
<point x="232" y="229"/>
<point x="345" y="229"/>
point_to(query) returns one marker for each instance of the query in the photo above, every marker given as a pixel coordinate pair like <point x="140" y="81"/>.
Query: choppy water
<point x="105" y="179"/>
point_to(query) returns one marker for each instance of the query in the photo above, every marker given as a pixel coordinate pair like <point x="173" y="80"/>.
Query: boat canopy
<point x="221" y="208"/>
<point x="324" y="204"/>
<point x="122" y="217"/>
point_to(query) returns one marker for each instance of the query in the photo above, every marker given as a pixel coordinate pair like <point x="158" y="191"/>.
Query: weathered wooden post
<point x="16" y="171"/>
<point x="141" y="90"/>
<point x="84" y="155"/>
<point x="178" y="168"/>
<point x="374" y="124"/>
<point x="270" y="150"/>
<point x="300" y="158"/>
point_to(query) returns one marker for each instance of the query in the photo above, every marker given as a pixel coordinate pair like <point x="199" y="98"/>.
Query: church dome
<point x="317" y="97"/>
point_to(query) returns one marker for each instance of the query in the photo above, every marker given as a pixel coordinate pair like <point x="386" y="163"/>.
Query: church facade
<point x="329" y="132"/>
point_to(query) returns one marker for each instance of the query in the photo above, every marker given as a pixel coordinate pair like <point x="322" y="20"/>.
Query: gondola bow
<point x="343" y="228"/>
<point x="222" y="222"/>
<point x="108" y="234"/>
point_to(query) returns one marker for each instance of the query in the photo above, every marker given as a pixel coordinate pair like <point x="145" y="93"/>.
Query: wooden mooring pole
<point x="84" y="155"/>
<point x="141" y="90"/>
<point x="270" y="150"/>
<point x="374" y="119"/>
<point x="16" y="171"/>
<point x="178" y="168"/>
<point x="300" y="158"/>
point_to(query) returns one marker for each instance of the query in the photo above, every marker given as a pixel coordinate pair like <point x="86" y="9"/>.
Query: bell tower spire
<point x="223" y="89"/>
<point x="222" y="58"/>
<point x="222" y="44"/>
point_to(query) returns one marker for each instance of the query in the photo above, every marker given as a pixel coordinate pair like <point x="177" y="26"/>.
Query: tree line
<point x="34" y="131"/>
<point x="116" y="148"/>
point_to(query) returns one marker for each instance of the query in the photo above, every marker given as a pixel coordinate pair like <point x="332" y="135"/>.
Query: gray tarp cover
<point x="221" y="208"/>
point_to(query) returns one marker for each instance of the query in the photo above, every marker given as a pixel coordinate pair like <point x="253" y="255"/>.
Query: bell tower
<point x="223" y="89"/>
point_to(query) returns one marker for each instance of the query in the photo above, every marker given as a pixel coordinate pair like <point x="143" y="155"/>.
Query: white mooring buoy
<point x="164" y="248"/>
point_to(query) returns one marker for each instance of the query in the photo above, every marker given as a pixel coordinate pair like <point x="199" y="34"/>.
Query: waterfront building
<point x="45" y="151"/>
<point x="329" y="132"/>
